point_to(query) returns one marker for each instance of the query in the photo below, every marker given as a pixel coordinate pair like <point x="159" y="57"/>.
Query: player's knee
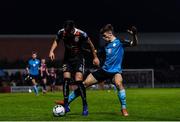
<point x="86" y="84"/>
<point x="67" y="75"/>
<point x="119" y="85"/>
<point x="34" y="81"/>
<point x="79" y="76"/>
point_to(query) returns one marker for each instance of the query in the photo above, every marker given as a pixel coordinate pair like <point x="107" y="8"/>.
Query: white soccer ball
<point x="30" y="90"/>
<point x="58" y="110"/>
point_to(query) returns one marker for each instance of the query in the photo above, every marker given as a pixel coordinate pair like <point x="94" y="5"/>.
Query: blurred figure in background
<point x="33" y="71"/>
<point x="52" y="78"/>
<point x="44" y="74"/>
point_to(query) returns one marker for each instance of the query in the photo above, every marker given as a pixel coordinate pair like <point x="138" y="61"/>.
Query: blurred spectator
<point x="52" y="78"/>
<point x="44" y="74"/>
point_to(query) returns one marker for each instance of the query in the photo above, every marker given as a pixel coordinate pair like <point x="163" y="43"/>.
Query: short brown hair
<point x="69" y="25"/>
<point x="34" y="52"/>
<point x="106" y="28"/>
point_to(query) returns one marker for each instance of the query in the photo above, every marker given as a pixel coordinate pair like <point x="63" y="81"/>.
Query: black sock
<point x="66" y="89"/>
<point x="82" y="90"/>
<point x="51" y="87"/>
<point x="44" y="86"/>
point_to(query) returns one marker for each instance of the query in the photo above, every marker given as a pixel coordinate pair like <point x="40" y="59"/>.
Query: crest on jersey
<point x="76" y="39"/>
<point x="109" y="50"/>
<point x="81" y="68"/>
<point x="114" y="44"/>
<point x="34" y="65"/>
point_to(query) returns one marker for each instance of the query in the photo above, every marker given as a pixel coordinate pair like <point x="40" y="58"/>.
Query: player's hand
<point x="96" y="61"/>
<point x="27" y="77"/>
<point x="132" y="30"/>
<point x="51" y="55"/>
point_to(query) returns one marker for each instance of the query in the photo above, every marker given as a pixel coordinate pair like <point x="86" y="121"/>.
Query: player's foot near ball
<point x="59" y="102"/>
<point x="85" y="111"/>
<point x="67" y="108"/>
<point x="124" y="112"/>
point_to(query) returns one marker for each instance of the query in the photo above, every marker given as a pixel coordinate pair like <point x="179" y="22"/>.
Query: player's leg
<point x="82" y="90"/>
<point x="121" y="93"/>
<point x="90" y="80"/>
<point x="52" y="88"/>
<point x="74" y="94"/>
<point x="53" y="85"/>
<point x="44" y="85"/>
<point x="34" y="85"/>
<point x="67" y="79"/>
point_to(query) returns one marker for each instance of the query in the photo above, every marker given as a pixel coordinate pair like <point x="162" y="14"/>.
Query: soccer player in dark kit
<point x="74" y="42"/>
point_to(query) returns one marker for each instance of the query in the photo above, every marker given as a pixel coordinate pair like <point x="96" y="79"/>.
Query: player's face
<point x="34" y="56"/>
<point x="43" y="61"/>
<point x="106" y="36"/>
<point x="69" y="31"/>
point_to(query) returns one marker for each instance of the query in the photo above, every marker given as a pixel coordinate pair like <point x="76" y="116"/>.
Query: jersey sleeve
<point x="85" y="45"/>
<point x="85" y="36"/>
<point x="59" y="36"/>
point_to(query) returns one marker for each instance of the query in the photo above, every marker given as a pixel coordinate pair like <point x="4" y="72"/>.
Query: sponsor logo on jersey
<point x="76" y="39"/>
<point x="114" y="44"/>
<point x="109" y="50"/>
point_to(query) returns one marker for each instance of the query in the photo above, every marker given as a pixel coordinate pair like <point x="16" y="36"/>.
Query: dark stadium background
<point x="45" y="17"/>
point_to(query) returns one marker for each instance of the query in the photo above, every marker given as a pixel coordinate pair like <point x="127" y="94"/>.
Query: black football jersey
<point x="73" y="43"/>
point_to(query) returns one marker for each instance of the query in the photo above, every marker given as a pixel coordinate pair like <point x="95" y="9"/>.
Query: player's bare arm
<point x="94" y="51"/>
<point x="53" y="47"/>
<point x="27" y="70"/>
<point x="47" y="72"/>
<point x="41" y="71"/>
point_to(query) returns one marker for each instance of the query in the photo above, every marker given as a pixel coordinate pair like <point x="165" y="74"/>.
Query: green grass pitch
<point x="143" y="104"/>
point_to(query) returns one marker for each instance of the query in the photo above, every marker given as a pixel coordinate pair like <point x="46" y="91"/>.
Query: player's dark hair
<point x="34" y="52"/>
<point x="69" y="25"/>
<point x="107" y="28"/>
